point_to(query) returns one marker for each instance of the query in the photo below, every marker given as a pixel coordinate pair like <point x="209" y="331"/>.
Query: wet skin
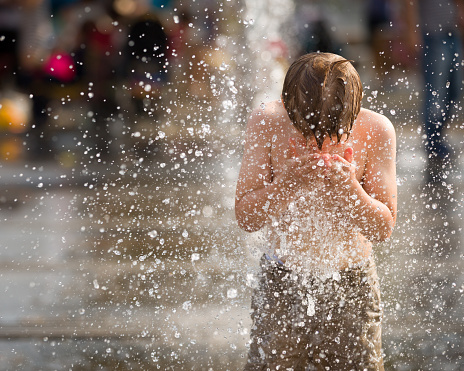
<point x="325" y="174"/>
<point x="279" y="162"/>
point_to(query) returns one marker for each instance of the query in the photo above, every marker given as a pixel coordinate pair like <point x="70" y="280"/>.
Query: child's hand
<point x="297" y="147"/>
<point x="342" y="170"/>
<point x="302" y="165"/>
<point x="302" y="170"/>
<point x="320" y="162"/>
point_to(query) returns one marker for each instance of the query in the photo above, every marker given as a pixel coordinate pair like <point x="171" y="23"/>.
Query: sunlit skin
<point x="357" y="179"/>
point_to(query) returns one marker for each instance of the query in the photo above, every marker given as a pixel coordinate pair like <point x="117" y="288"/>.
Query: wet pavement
<point x="134" y="265"/>
<point x="139" y="265"/>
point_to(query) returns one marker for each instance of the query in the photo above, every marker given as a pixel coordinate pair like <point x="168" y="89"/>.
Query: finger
<point x="340" y="164"/>
<point x="344" y="163"/>
<point x="327" y="159"/>
<point x="338" y="158"/>
<point x="309" y="158"/>
<point x="349" y="154"/>
<point x="309" y="169"/>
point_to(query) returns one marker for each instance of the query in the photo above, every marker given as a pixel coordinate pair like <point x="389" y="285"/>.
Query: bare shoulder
<point x="376" y="124"/>
<point x="266" y="117"/>
<point x="275" y="108"/>
<point x="270" y="111"/>
<point x="375" y="121"/>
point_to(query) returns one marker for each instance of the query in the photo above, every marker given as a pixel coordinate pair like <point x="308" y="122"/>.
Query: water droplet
<point x="231" y="293"/>
<point x="195" y="257"/>
<point x="227" y="104"/>
<point x="187" y="305"/>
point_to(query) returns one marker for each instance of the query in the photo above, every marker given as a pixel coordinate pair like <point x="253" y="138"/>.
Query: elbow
<point x="382" y="237"/>
<point x="383" y="234"/>
<point x="245" y="223"/>
<point x="388" y="228"/>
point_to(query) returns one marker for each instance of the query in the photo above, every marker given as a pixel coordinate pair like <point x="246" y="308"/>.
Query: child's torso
<point x="314" y="232"/>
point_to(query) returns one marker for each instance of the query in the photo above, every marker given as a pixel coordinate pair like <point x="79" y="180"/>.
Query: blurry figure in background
<point x="145" y="70"/>
<point x="90" y="37"/>
<point x="313" y="30"/>
<point x="146" y="57"/>
<point x="96" y="59"/>
<point x="195" y="52"/>
<point x="379" y="18"/>
<point x="146" y="73"/>
<point x="178" y="36"/>
<point x="434" y="29"/>
<point x="37" y="40"/>
<point x="205" y="55"/>
<point x="279" y="52"/>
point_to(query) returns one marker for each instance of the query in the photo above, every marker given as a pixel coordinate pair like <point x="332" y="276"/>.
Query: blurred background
<point x="121" y="135"/>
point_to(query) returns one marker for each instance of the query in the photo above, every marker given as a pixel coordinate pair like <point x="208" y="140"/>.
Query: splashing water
<point x="136" y="262"/>
<point x="314" y="238"/>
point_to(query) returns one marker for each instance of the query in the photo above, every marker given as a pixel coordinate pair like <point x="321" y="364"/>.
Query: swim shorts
<point x="306" y="323"/>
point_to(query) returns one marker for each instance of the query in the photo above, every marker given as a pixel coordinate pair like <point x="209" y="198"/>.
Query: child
<point x="319" y="173"/>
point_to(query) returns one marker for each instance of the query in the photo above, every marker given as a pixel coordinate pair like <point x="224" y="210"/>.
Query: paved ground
<point x="139" y="265"/>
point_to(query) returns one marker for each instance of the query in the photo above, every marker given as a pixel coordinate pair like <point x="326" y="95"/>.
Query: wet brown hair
<point x="322" y="94"/>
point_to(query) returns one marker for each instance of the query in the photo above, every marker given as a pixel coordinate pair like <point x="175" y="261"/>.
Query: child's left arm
<point x="373" y="205"/>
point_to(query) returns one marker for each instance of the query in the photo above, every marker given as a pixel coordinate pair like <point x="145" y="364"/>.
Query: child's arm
<point x="260" y="195"/>
<point x="373" y="205"/>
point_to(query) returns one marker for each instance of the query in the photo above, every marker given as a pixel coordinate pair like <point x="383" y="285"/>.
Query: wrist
<point x="283" y="186"/>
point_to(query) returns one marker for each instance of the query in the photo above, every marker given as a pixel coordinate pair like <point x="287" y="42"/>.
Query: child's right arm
<point x="259" y="195"/>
